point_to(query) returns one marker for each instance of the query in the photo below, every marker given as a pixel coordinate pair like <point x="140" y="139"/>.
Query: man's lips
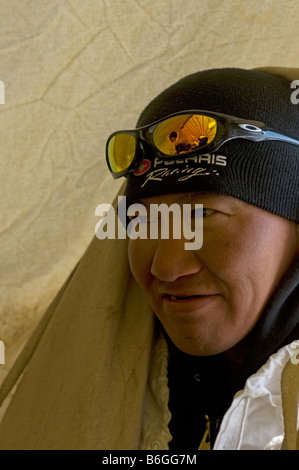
<point x="178" y="296"/>
<point x="182" y="298"/>
<point x="187" y="303"/>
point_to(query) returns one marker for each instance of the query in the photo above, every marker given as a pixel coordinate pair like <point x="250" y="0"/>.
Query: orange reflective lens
<point x="121" y="151"/>
<point x="181" y="134"/>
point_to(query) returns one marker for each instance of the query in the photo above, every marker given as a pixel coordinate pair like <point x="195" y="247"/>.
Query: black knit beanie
<point x="264" y="174"/>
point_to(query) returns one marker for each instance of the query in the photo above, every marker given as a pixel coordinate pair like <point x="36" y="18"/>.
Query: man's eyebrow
<point x="205" y="198"/>
<point x="187" y="198"/>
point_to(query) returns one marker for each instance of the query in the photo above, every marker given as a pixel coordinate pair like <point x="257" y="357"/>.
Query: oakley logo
<point x="295" y="94"/>
<point x="250" y="127"/>
<point x="143" y="167"/>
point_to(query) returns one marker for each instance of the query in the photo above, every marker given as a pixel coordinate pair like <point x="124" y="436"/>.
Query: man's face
<point x="209" y="299"/>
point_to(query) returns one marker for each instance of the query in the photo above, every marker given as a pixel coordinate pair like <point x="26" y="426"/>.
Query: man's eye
<point x="206" y="212"/>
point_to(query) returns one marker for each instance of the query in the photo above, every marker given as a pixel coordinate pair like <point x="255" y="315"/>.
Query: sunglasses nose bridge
<point x="144" y="147"/>
<point x="145" y="142"/>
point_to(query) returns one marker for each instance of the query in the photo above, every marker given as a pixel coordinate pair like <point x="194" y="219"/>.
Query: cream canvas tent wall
<point x="72" y="72"/>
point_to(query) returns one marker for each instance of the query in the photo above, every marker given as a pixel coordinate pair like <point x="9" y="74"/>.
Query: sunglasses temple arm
<point x="265" y="134"/>
<point x="272" y="135"/>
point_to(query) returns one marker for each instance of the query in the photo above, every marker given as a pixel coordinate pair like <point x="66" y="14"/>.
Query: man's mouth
<point x="185" y="303"/>
<point x="176" y="298"/>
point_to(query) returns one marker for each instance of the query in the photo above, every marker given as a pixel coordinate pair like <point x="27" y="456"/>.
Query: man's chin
<point x="199" y="346"/>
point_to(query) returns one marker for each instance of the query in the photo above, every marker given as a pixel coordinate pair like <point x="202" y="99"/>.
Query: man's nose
<point x="171" y="260"/>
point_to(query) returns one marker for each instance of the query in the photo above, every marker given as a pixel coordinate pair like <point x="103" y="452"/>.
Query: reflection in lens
<point x="184" y="133"/>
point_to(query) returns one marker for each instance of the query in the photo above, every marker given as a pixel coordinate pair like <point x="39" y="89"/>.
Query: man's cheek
<point x="139" y="262"/>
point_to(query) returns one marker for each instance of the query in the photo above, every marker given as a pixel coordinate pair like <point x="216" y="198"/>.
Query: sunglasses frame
<point x="228" y="128"/>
